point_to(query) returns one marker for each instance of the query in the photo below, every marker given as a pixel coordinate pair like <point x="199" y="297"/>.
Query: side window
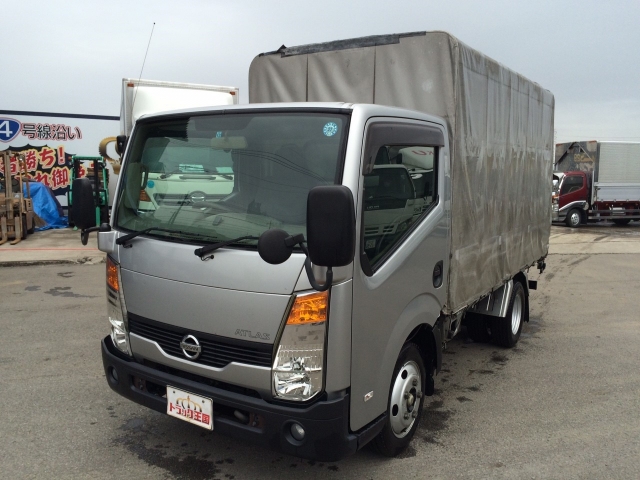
<point x="399" y="186"/>
<point x="571" y="184"/>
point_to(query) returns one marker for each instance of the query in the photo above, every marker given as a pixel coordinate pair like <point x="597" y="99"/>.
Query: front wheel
<point x="505" y="331"/>
<point x="573" y="218"/>
<point x="405" y="403"/>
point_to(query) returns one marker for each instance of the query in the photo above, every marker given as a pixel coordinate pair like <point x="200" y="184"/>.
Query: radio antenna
<point x="143" y="62"/>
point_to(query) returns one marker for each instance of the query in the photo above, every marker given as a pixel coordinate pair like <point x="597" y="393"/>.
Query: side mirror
<point x="273" y="248"/>
<point x="83" y="203"/>
<point x="121" y="144"/>
<point x="331" y="226"/>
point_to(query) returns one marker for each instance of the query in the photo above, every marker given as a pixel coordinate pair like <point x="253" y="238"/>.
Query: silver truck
<point x="263" y="314"/>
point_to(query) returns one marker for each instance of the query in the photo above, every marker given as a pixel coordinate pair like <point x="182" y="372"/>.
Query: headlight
<point x="116" y="309"/>
<point x="297" y="368"/>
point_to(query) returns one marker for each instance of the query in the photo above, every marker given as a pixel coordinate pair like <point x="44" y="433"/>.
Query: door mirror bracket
<point x="84" y="233"/>
<point x="275" y="247"/>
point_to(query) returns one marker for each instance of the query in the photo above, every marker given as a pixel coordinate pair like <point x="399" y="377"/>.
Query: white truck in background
<point x="141" y="97"/>
<point x="171" y="179"/>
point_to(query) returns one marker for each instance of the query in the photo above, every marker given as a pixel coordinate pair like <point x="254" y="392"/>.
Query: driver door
<point x="399" y="250"/>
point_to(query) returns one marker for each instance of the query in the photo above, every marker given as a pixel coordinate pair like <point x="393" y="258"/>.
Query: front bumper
<point x="326" y="423"/>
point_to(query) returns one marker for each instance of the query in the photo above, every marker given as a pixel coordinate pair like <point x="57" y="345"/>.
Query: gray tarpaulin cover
<point x="500" y="132"/>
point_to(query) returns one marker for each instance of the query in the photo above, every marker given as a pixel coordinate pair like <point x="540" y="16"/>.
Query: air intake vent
<point x="217" y="351"/>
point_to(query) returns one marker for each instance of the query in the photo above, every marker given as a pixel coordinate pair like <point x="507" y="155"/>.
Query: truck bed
<point x="500" y="127"/>
<point x="617" y="192"/>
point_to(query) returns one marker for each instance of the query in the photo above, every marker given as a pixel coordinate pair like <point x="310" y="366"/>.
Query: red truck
<point x="596" y="181"/>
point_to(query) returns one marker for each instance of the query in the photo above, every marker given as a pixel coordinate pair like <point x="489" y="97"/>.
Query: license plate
<point x="190" y="407"/>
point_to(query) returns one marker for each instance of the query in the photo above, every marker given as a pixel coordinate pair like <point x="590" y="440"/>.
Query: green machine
<point x="98" y="175"/>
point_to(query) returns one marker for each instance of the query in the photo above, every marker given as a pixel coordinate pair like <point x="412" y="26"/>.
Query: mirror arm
<point x="312" y="278"/>
<point x="84" y="233"/>
<point x="294" y="240"/>
<point x="299" y="240"/>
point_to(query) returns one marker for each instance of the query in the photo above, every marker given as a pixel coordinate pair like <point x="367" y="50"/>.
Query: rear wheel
<point x="622" y="221"/>
<point x="405" y="403"/>
<point x="573" y="218"/>
<point x="23" y="233"/>
<point x="505" y="331"/>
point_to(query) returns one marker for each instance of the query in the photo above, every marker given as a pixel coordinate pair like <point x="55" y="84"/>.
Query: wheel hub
<point x="405" y="399"/>
<point x="516" y="314"/>
<point x="575" y="218"/>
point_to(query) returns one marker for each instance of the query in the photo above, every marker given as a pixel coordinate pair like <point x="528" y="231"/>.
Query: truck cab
<point x="284" y="350"/>
<point x="571" y="189"/>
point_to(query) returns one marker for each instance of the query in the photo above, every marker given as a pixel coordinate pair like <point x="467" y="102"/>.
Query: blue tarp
<point x="46" y="206"/>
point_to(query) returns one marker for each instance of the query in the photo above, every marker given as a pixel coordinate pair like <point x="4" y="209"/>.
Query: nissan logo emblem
<point x="190" y="347"/>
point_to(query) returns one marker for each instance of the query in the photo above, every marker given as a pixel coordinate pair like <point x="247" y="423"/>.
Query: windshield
<point x="220" y="177"/>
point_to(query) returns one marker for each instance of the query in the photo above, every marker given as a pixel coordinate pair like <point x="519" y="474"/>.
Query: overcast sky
<point x="71" y="56"/>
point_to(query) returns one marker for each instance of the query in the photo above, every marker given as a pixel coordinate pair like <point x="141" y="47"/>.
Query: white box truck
<point x="270" y="314"/>
<point x="142" y="97"/>
<point x="185" y="178"/>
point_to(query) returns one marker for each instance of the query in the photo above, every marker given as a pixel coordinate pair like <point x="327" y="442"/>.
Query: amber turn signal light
<point x="112" y="275"/>
<point x="310" y="308"/>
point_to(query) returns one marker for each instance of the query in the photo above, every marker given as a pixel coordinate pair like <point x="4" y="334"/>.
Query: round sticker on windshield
<point x="330" y="129"/>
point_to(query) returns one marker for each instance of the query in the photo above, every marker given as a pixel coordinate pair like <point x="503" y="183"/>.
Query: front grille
<point x="217" y="351"/>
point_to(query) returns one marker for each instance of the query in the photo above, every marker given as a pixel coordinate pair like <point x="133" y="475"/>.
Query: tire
<point x="84" y="208"/>
<point x="23" y="233"/>
<point x="405" y="400"/>
<point x="574" y="218"/>
<point x="477" y="328"/>
<point x="33" y="226"/>
<point x="505" y="331"/>
<point x="622" y="221"/>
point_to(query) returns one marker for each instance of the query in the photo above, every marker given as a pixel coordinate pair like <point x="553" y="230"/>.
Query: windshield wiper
<point x="203" y="251"/>
<point x="124" y="240"/>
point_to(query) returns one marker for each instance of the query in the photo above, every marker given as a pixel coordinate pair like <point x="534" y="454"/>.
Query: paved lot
<point x="563" y="404"/>
<point x="52" y="247"/>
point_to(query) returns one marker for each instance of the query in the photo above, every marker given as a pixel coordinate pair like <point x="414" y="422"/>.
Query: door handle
<point x="438" y="275"/>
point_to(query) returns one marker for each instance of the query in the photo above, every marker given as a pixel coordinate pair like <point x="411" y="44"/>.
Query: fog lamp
<point x="297" y="432"/>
